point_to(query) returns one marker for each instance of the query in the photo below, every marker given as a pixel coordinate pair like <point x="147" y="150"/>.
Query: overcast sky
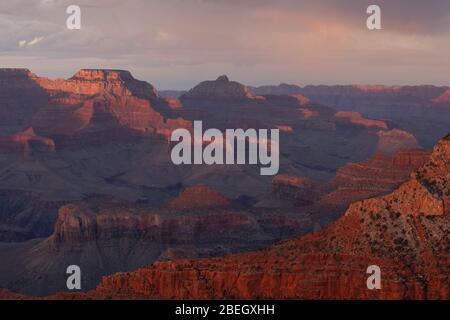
<point x="174" y="44"/>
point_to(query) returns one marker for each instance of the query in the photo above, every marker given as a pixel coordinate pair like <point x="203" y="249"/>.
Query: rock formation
<point x="421" y="110"/>
<point x="25" y="142"/>
<point x="24" y="216"/>
<point x="90" y="82"/>
<point x="101" y="103"/>
<point x="221" y="88"/>
<point x="357" y="119"/>
<point x="86" y="174"/>
<point x="20" y="98"/>
<point x="404" y="233"/>
<point x="392" y="140"/>
<point x="198" y="197"/>
<point x="376" y="176"/>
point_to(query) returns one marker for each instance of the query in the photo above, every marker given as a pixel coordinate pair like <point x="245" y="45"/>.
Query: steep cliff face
<point x="405" y="233"/>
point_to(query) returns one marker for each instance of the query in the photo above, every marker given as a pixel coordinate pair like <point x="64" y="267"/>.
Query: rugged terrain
<point x="405" y="233"/>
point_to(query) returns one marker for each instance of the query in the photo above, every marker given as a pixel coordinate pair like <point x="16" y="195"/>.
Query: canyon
<point x="86" y="176"/>
<point x="407" y="106"/>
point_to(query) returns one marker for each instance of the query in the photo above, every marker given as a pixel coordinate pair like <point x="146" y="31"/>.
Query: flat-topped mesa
<point x="98" y="105"/>
<point x="94" y="81"/>
<point x="220" y="89"/>
<point x="390" y="232"/>
<point x="426" y="193"/>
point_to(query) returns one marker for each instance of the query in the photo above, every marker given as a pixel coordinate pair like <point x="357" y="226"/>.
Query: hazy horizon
<point x="176" y="44"/>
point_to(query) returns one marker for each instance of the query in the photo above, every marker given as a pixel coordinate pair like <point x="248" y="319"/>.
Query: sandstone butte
<point x="405" y="233"/>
